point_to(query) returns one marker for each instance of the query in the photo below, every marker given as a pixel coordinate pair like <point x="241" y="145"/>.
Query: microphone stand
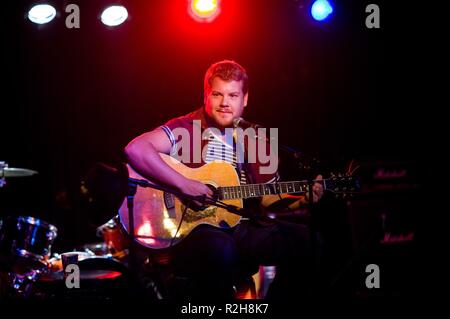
<point x="313" y="232"/>
<point x="133" y="183"/>
<point x="132" y="256"/>
<point x="297" y="155"/>
<point x="290" y="150"/>
<point x="305" y="166"/>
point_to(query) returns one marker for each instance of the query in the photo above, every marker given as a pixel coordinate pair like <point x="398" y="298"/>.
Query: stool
<point x="166" y="284"/>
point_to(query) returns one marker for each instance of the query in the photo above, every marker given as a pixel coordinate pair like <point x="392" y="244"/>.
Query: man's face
<point x="225" y="101"/>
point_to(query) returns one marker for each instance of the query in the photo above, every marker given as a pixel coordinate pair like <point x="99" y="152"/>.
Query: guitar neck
<point x="257" y="190"/>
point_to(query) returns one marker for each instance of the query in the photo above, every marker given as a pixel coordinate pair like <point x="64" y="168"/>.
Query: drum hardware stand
<point x="3" y="165"/>
<point x="23" y="284"/>
<point x="132" y="262"/>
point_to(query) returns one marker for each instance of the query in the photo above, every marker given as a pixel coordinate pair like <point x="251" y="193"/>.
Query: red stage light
<point x="204" y="10"/>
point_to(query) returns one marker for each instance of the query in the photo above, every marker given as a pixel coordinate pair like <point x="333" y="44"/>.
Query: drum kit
<point x="29" y="269"/>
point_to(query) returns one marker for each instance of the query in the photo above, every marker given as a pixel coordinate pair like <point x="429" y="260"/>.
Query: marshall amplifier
<point x="387" y="210"/>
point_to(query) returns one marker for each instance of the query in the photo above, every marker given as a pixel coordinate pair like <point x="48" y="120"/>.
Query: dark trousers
<point x="213" y="259"/>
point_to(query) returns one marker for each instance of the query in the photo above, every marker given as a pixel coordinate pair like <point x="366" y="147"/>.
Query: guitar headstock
<point x="343" y="184"/>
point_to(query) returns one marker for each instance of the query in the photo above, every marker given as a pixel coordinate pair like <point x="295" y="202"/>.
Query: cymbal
<point x="16" y="172"/>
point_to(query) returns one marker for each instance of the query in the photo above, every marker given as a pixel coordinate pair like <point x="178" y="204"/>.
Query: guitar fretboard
<point x="257" y="190"/>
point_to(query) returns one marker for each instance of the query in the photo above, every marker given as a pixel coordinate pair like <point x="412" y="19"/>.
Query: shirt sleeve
<point x="168" y="128"/>
<point x="169" y="133"/>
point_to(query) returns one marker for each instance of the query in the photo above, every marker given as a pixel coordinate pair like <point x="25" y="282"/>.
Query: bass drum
<point x="25" y="240"/>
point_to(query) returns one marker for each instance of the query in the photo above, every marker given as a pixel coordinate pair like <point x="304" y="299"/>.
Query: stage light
<point x="41" y="13"/>
<point x="204" y="10"/>
<point x="321" y="9"/>
<point x="114" y="15"/>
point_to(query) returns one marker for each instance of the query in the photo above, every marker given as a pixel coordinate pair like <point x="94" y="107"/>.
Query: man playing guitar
<point x="213" y="254"/>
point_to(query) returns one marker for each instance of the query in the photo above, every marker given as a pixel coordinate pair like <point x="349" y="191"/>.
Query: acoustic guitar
<point x="162" y="220"/>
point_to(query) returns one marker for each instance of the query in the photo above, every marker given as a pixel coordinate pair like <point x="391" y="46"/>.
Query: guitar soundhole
<point x="224" y="224"/>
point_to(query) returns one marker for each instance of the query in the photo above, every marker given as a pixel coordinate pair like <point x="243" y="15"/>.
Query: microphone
<point x="243" y="124"/>
<point x="240" y="122"/>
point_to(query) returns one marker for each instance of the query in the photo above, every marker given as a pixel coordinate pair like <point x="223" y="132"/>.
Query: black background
<point x="337" y="90"/>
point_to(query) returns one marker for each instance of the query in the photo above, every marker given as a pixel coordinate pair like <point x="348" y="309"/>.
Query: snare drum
<point x="26" y="237"/>
<point x="101" y="278"/>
